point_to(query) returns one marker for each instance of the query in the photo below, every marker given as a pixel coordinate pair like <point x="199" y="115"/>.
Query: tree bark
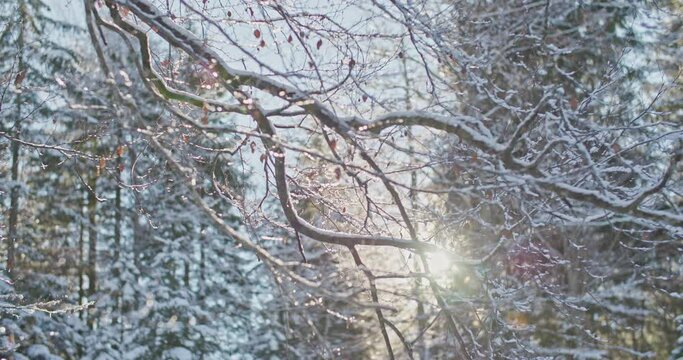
<point x="14" y="192"/>
<point x="92" y="237"/>
<point x="14" y="207"/>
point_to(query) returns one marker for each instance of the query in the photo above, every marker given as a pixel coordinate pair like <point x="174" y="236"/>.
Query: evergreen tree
<point x="37" y="242"/>
<point x="677" y="352"/>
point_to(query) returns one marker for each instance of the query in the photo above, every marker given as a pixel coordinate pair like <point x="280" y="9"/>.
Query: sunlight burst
<point x="439" y="263"/>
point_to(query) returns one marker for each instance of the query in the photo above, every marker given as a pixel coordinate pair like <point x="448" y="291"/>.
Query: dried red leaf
<point x="456" y="171"/>
<point x="205" y="116"/>
<point x="20" y="78"/>
<point x="257" y="33"/>
<point x="290" y="39"/>
<point x="319" y="44"/>
<point x="574" y="103"/>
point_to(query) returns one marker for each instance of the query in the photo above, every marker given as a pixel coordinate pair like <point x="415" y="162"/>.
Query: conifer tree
<point x="37" y="232"/>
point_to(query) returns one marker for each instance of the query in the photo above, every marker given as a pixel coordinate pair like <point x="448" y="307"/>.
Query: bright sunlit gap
<point x="439" y="263"/>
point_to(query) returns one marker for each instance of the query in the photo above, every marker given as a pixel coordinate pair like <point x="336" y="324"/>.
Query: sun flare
<point x="439" y="263"/>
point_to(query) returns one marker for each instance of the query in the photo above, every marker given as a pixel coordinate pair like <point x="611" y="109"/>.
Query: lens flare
<point x="439" y="263"/>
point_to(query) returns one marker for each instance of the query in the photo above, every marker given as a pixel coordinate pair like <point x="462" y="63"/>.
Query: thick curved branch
<point x="468" y="129"/>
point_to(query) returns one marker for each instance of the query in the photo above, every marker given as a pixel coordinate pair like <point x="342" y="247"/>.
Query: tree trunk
<point x="186" y="275"/>
<point x="135" y="216"/>
<point x="81" y="283"/>
<point x="202" y="264"/>
<point x="118" y="264"/>
<point x="14" y="207"/>
<point x="117" y="213"/>
<point x="14" y="192"/>
<point x="92" y="237"/>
